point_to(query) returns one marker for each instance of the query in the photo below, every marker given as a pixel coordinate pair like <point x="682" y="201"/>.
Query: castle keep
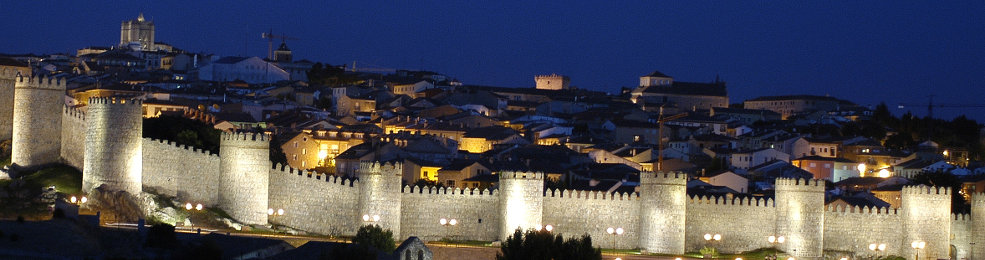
<point x="105" y="143"/>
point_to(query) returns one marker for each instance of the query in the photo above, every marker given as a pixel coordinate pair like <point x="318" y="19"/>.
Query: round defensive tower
<point x="379" y="195"/>
<point x="244" y="162"/>
<point x="521" y="201"/>
<point x="926" y="213"/>
<point x="663" y="198"/>
<point x="37" y="120"/>
<point x="7" y="78"/>
<point x="978" y="225"/>
<point x="113" y="145"/>
<point x="800" y="216"/>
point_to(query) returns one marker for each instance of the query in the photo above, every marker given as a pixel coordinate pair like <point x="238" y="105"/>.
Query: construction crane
<point x="660" y="134"/>
<point x="370" y="69"/>
<point x="270" y="36"/>
<point x="931" y="105"/>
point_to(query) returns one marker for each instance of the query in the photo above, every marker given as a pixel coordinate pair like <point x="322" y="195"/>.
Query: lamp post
<point x="709" y="239"/>
<point x="447" y="222"/>
<point x="614" y="232"/>
<point x="917" y="246"/>
<point x="876" y="248"/>
<point x="775" y="240"/>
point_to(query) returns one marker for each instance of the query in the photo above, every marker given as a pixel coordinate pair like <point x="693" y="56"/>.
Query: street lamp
<point x="709" y="239"/>
<point x="877" y="247"/>
<point x="368" y="218"/>
<point x="775" y="240"/>
<point x="614" y="232"/>
<point x="917" y="246"/>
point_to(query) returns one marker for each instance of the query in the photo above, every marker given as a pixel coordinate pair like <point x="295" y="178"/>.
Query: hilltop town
<point x="325" y="148"/>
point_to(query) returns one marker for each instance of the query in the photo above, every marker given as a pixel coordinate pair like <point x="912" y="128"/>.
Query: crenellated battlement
<point x="74" y="112"/>
<point x="926" y="190"/>
<point x="590" y="195"/>
<point x="978" y="199"/>
<point x="676" y="178"/>
<point x="314" y="177"/>
<point x="378" y="168"/>
<point x="844" y="211"/>
<point x="725" y="201"/>
<point x="521" y="175"/>
<point x="11" y="74"/>
<point x="786" y="184"/>
<point x="431" y="190"/>
<point x="176" y="145"/>
<point x="955" y="217"/>
<point x="245" y="137"/>
<point x="115" y="101"/>
<point x="40" y="82"/>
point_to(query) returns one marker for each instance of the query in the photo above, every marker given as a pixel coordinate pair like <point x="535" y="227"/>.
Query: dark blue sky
<point x="864" y="51"/>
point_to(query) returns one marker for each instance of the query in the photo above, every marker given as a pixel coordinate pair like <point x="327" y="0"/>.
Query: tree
<point x="546" y="245"/>
<point x="376" y="237"/>
<point x="945" y="179"/>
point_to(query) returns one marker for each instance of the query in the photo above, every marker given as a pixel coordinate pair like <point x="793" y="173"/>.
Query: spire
<point x="140" y="18"/>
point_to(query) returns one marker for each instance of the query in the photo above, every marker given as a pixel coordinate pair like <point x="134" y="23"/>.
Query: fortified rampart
<point x="7" y="78"/>
<point x="244" y="164"/>
<point x="659" y="218"/>
<point x="37" y="120"/>
<point x="113" y="145"/>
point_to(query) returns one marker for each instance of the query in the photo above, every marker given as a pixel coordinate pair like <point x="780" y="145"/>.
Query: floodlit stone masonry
<point x="113" y="145"/>
<point x="37" y="120"/>
<point x="660" y="218"/>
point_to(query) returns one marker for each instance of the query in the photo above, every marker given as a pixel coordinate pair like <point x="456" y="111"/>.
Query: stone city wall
<point x="475" y="211"/>
<point x="73" y="137"/>
<point x="7" y="77"/>
<point x="313" y="203"/>
<point x="190" y="174"/>
<point x="851" y="230"/>
<point x="575" y="213"/>
<point x="37" y="120"/>
<point x="961" y="235"/>
<point x="744" y="223"/>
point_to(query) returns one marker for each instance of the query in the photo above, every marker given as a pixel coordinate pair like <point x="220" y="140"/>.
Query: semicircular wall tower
<point x="113" y="145"/>
<point x="244" y="165"/>
<point x="37" y="120"/>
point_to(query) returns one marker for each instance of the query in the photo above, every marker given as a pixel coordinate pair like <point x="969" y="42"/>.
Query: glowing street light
<point x="73" y="199"/>
<point x="270" y="212"/>
<point x="861" y="169"/>
<point x="775" y="240"/>
<point x="188" y="206"/>
<point x="918" y="245"/>
<point x="198" y="206"/>
<point x="280" y="212"/>
<point x="549" y="228"/>
<point x="614" y="232"/>
<point x="84" y="199"/>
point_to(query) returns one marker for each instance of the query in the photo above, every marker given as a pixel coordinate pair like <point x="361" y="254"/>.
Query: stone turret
<point x="113" y="145"/>
<point x="663" y="198"/>
<point x="379" y="195"/>
<point x="521" y="201"/>
<point x="7" y="78"/>
<point x="926" y="213"/>
<point x="800" y="216"/>
<point x="244" y="163"/>
<point x="37" y="126"/>
<point x="978" y="225"/>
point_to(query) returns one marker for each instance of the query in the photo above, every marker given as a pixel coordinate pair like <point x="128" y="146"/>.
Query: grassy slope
<point x="66" y="179"/>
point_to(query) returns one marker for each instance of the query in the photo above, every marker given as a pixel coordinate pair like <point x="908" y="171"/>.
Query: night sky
<point x="863" y="51"/>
